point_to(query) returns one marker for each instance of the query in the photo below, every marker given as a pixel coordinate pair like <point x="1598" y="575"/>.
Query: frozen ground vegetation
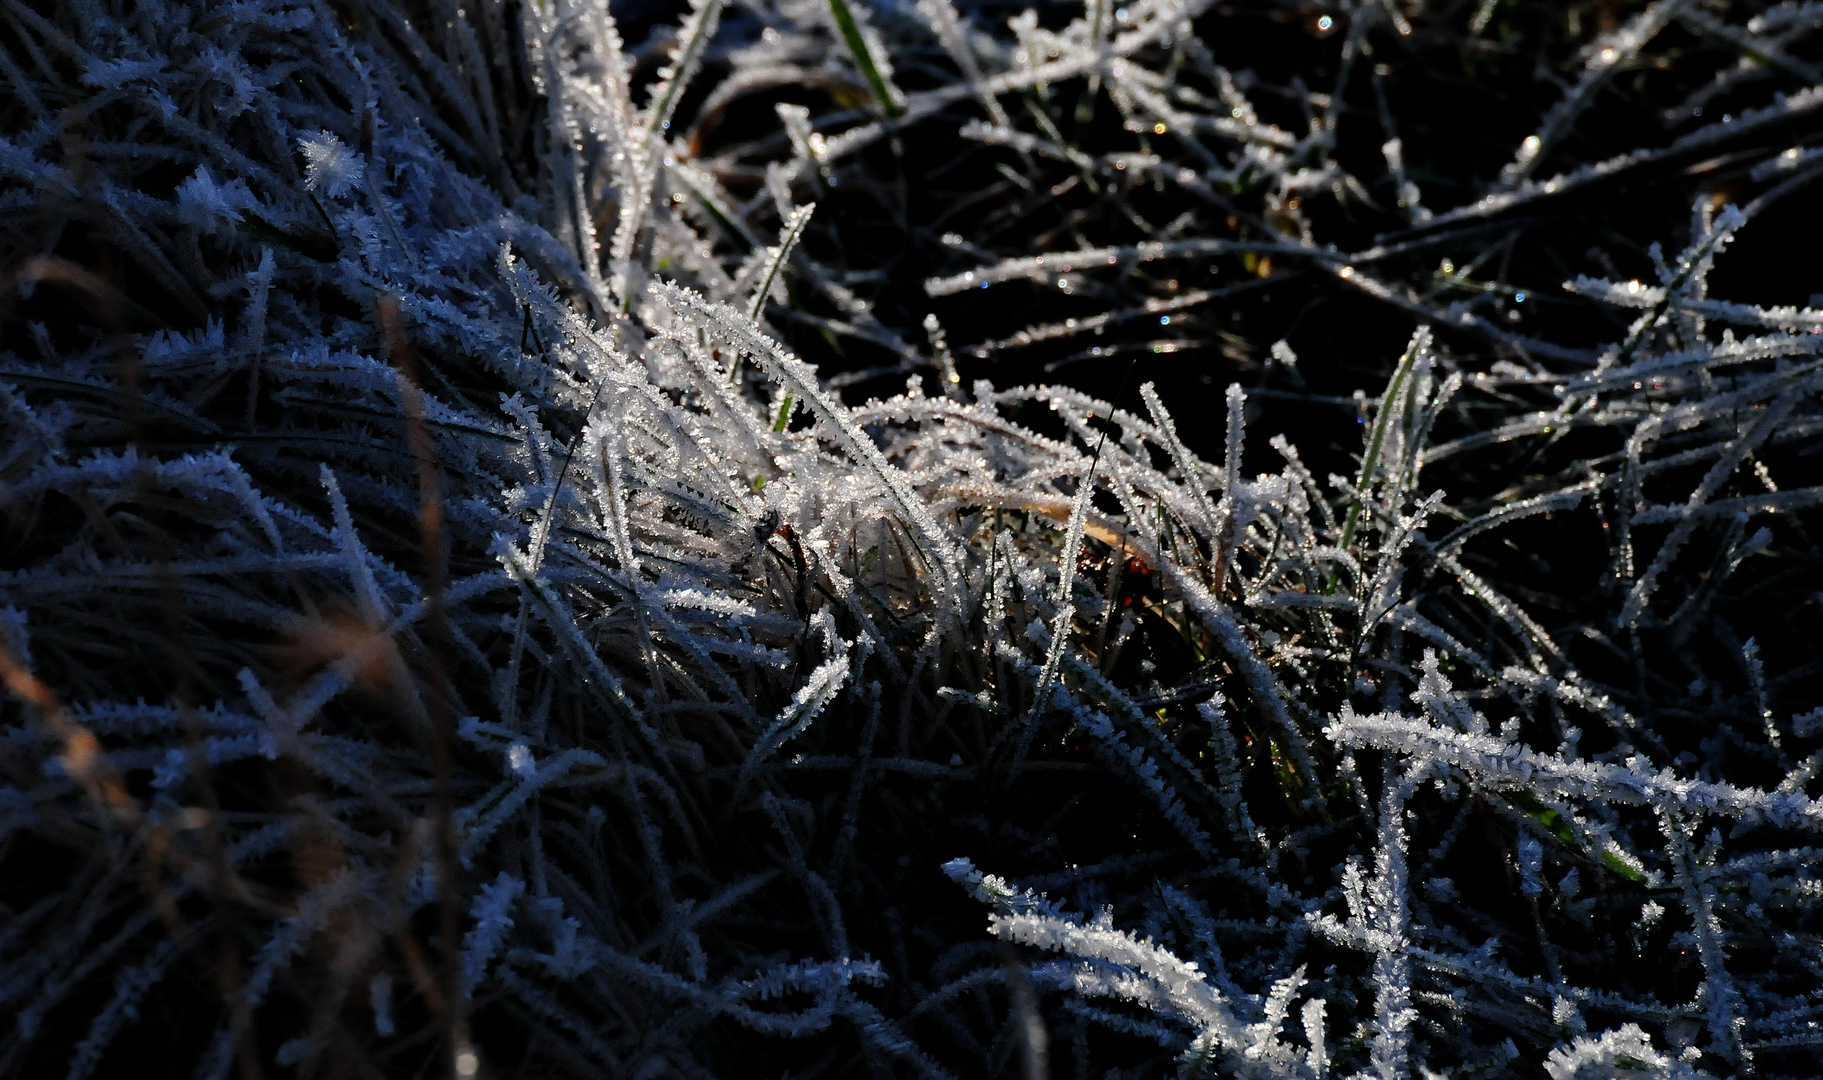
<point x="449" y="630"/>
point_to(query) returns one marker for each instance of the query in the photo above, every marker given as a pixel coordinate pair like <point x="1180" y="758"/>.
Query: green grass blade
<point x="851" y="33"/>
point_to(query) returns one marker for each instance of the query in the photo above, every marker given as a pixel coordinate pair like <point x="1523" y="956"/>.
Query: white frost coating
<point x="1624" y="1052"/>
<point x="1180" y="457"/>
<point x="1386" y="914"/>
<point x="1180" y="986"/>
<point x="661" y="589"/>
<point x="815" y="693"/>
<point x="1043" y="267"/>
<point x="207" y="205"/>
<point x="789" y="235"/>
<point x="1498" y="763"/>
<point x="1602" y="58"/>
<point x="492" y="915"/>
<point x="1116" y="964"/>
<point x="801" y="379"/>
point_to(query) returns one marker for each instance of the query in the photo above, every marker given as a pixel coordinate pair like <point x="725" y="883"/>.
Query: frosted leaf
<point x="1492" y="760"/>
<point x="492" y="915"/>
<point x="113" y="74"/>
<point x="692" y="40"/>
<point x="1625" y="1053"/>
<point x="1808" y="725"/>
<point x="1531" y="864"/>
<point x="207" y="205"/>
<point x="1313" y="1017"/>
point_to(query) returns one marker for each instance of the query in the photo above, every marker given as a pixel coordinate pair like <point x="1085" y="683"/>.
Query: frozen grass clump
<point x="450" y="629"/>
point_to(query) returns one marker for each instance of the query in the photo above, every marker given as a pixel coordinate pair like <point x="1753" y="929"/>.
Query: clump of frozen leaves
<point x="464" y="620"/>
